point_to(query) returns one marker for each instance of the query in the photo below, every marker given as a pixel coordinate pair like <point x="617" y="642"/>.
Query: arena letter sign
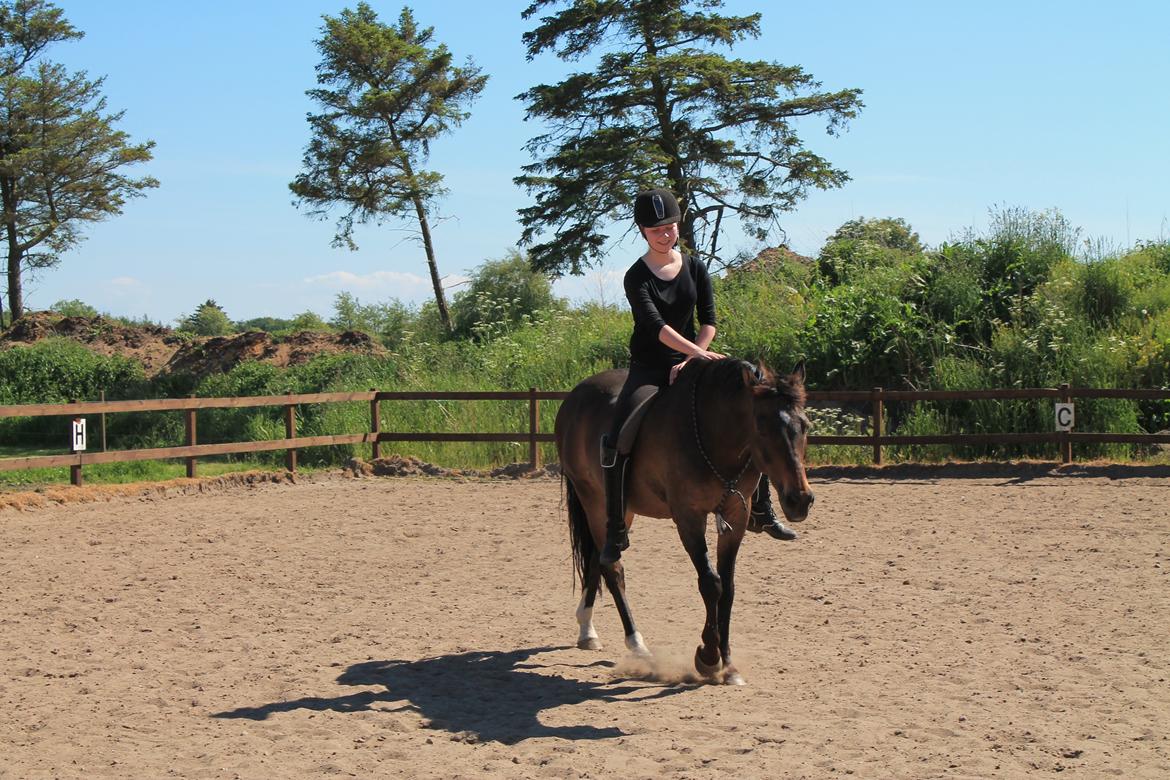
<point x="1064" y="417"/>
<point x="78" y="434"/>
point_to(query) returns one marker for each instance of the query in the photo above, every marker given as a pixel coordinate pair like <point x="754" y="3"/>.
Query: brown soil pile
<point x="151" y="345"/>
<point x="161" y="350"/>
<point x="398" y="466"/>
<point x="222" y="353"/>
<point x="57" y="495"/>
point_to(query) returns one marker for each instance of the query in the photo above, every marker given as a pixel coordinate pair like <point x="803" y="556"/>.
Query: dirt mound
<point x="222" y="353"/>
<point x="393" y="466"/>
<point x="398" y="466"/>
<point x="161" y="350"/>
<point x="150" y="345"/>
<point x="146" y="491"/>
<point x="771" y="257"/>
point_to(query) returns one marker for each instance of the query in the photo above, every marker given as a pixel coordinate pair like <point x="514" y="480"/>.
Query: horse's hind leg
<point x="615" y="580"/>
<point x="587" y="637"/>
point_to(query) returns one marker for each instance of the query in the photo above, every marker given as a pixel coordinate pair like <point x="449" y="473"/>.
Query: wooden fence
<point x="875" y="399"/>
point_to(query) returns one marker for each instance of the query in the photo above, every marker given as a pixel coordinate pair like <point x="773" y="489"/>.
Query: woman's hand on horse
<point x="701" y="355"/>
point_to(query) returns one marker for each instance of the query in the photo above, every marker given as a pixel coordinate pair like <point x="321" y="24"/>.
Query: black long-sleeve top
<point x="656" y="303"/>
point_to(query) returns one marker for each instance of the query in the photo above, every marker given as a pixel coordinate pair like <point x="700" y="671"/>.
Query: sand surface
<point x="417" y="627"/>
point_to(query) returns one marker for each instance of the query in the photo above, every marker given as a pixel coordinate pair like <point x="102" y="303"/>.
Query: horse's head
<point x="781" y="435"/>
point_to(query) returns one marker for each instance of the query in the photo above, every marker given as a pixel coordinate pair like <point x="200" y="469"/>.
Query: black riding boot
<point x="763" y="517"/>
<point x="613" y="467"/>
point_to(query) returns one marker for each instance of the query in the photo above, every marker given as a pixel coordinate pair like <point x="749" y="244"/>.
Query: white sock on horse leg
<point x="636" y="645"/>
<point x="588" y="634"/>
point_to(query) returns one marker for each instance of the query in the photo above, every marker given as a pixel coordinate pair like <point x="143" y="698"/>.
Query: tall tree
<point x="386" y="92"/>
<point x="662" y="108"/>
<point x="60" y="155"/>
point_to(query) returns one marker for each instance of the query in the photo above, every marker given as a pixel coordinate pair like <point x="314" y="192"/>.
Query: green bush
<point x="502" y="295"/>
<point x="74" y="308"/>
<point x="58" y="371"/>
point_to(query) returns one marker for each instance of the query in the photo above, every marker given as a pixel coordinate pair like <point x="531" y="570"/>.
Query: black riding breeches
<point x="641" y="383"/>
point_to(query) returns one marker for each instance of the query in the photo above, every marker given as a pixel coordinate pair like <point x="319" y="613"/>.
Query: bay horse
<point x="701" y="448"/>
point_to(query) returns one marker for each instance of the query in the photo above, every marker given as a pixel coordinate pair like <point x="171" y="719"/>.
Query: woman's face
<point x="662" y="238"/>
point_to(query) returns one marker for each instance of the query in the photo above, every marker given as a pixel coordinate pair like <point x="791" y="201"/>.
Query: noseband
<point x="730" y="486"/>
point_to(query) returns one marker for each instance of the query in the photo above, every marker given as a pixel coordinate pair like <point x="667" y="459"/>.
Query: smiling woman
<point x="665" y="289"/>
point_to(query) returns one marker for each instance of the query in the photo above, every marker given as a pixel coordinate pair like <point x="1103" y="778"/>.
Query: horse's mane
<point x="730" y="373"/>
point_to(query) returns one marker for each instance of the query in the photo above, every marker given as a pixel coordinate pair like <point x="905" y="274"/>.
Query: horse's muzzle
<point x="797" y="504"/>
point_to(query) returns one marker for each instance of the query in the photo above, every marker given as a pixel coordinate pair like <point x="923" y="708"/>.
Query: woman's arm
<point x="706" y="336"/>
<point x="692" y="349"/>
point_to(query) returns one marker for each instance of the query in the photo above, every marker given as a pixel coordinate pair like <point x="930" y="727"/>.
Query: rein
<point x="730" y="486"/>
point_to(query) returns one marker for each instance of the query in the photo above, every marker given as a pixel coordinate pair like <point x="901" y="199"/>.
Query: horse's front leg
<point x="728" y="550"/>
<point x="692" y="531"/>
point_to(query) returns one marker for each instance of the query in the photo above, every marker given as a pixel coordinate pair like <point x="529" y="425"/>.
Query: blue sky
<point x="969" y="107"/>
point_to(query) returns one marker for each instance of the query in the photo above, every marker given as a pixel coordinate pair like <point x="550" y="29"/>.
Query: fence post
<point x="75" y="469"/>
<point x="189" y="415"/>
<point x="290" y="432"/>
<point x="102" y="422"/>
<point x="1062" y="436"/>
<point x="375" y="426"/>
<point x="533" y="418"/>
<point x="878" y="424"/>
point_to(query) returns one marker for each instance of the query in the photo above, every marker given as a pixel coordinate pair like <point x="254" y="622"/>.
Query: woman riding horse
<point x="704" y="443"/>
<point x="664" y="286"/>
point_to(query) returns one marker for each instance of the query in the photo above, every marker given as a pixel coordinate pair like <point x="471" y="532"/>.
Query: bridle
<point x="730" y="486"/>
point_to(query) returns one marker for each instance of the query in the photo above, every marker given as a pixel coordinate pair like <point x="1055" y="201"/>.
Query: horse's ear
<point x="798" y="372"/>
<point x="748" y="374"/>
<point x="762" y="381"/>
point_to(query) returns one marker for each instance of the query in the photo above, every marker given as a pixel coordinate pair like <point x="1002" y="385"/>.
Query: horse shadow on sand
<point x="493" y="696"/>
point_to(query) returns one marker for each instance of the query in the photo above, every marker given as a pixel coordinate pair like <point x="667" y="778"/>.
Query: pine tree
<point x="61" y="158"/>
<point x="386" y="93"/>
<point x="663" y="108"/>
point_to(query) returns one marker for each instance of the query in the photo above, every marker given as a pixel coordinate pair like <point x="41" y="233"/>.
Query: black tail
<point x="579" y="536"/>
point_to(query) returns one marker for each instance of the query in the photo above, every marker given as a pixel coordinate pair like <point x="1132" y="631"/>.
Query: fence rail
<point x="877" y="398"/>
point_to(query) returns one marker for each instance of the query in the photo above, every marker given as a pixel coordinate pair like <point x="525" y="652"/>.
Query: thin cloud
<point x="126" y="285"/>
<point x="378" y="280"/>
<point x="396" y="283"/>
<point x="602" y="286"/>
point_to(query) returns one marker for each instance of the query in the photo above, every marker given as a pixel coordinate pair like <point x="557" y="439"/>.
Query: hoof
<point x="590" y="643"/>
<point x="731" y="676"/>
<point x="710" y="671"/>
<point x="637" y="646"/>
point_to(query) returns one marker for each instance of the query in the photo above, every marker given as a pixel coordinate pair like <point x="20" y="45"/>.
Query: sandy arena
<point x="928" y="627"/>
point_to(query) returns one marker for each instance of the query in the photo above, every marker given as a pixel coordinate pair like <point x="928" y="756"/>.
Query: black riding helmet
<point x="657" y="207"/>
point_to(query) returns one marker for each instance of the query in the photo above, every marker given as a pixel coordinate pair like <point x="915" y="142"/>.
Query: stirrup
<point x="609" y="455"/>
